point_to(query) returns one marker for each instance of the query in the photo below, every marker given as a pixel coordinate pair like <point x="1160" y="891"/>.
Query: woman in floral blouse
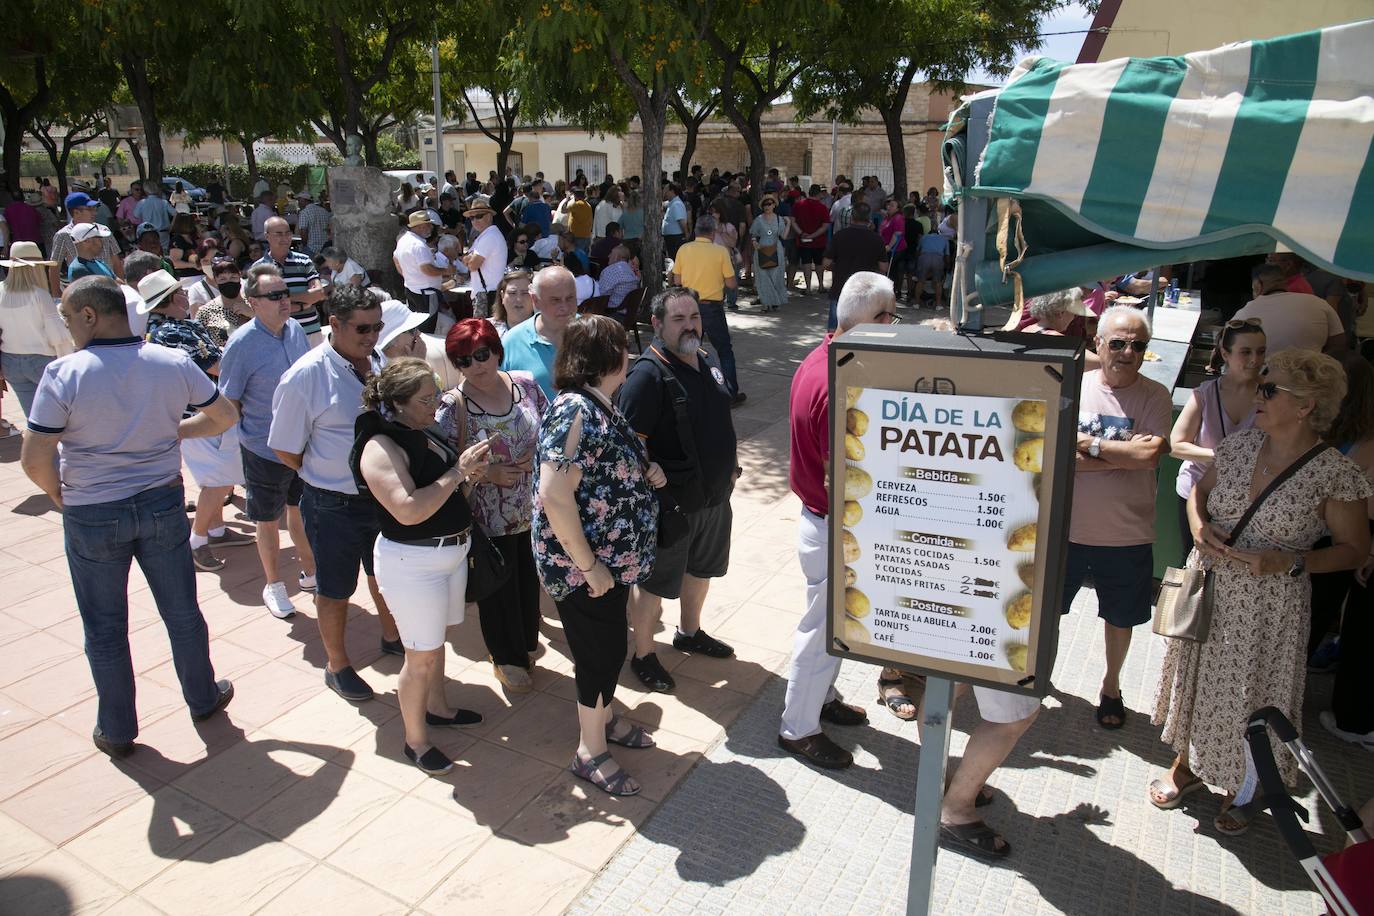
<point x="593" y="485"/>
<point x="503" y="409"/>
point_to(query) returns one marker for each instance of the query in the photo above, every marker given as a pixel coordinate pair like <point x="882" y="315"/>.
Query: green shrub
<point x="240" y="186"/>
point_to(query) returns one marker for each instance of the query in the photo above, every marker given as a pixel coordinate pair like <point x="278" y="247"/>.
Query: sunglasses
<point x="1244" y="323"/>
<point x="481" y="354"/>
<point x="518" y="271"/>
<point x="1267" y="390"/>
<point x="1116" y="345"/>
<point x="522" y="241"/>
<point x="275" y="297"/>
<point x="375" y="328"/>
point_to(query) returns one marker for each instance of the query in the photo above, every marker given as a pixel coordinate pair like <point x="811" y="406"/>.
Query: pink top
<point x="1117" y="508"/>
<point x="810" y="415"/>
<point x="1215" y="427"/>
<point x="890" y="227"/>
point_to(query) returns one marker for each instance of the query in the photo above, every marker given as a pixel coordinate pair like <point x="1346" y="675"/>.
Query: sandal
<point x="977" y="839"/>
<point x="1172" y="794"/>
<point x="611" y="785"/>
<point x="1239" y="821"/>
<point x="895" y="700"/>
<point x="1111" y="706"/>
<point x="636" y="737"/>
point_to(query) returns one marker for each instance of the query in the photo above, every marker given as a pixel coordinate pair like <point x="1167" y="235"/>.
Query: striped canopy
<point x="1271" y="136"/>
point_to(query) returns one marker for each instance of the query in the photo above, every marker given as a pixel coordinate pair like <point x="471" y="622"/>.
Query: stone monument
<point x="364" y="226"/>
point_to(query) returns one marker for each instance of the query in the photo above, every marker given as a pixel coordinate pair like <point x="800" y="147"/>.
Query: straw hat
<point x="25" y="254"/>
<point x="419" y="218"/>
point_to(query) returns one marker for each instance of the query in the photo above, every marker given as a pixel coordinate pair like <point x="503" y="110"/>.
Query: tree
<point x="645" y="49"/>
<point x="61" y="132"/>
<point x="29" y="58"/>
<point x="860" y="74"/>
<point x="757" y="62"/>
<point x="692" y="106"/>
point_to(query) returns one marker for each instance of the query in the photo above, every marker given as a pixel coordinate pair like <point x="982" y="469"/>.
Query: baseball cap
<point x="80" y="199"/>
<point x="81" y="232"/>
<point x="143" y="229"/>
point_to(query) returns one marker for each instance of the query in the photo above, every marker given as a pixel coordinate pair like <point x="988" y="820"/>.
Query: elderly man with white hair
<point x="867" y="298"/>
<point x="1124" y="421"/>
<point x="531" y="345"/>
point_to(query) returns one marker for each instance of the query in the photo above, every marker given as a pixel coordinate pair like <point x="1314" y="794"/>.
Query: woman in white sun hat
<point x="31" y="330"/>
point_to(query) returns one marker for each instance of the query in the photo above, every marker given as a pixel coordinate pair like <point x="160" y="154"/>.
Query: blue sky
<point x="1072" y="18"/>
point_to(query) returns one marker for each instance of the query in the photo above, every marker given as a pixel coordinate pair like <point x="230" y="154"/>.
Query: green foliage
<point x="36" y="164"/>
<point x="395" y="156"/>
<point x="240" y="185"/>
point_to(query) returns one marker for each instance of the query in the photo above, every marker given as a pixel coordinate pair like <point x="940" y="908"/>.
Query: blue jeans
<point x="101" y="542"/>
<point x="22" y="371"/>
<point x="833" y="321"/>
<point x="718" y="332"/>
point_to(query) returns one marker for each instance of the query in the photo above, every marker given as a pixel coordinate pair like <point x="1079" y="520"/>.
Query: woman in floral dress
<point x="1255" y="654"/>
<point x="768" y="232"/>
<point x="595" y="527"/>
<point x="503" y="409"/>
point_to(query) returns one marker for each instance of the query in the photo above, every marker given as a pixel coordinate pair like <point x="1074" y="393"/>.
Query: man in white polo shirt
<point x="486" y="256"/>
<point x="313" y="412"/>
<point x="104" y="443"/>
<point x="421" y="275"/>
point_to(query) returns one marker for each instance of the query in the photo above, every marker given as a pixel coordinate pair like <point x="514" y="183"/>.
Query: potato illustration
<point x="851" y="546"/>
<point x="1016" y="653"/>
<point x="1023" y="538"/>
<point x="1029" y="416"/>
<point x="855" y="421"/>
<point x="855" y="631"/>
<point x="853" y="448"/>
<point x="852" y="395"/>
<point x="857" y="482"/>
<point x="1029" y="455"/>
<point x="852" y="513"/>
<point x="1018" y="611"/>
<point x="856" y="603"/>
<point x="850" y="576"/>
<point x="1026" y="572"/>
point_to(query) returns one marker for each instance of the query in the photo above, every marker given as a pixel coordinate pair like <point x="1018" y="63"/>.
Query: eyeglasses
<point x="1267" y="390"/>
<point x="375" y="328"/>
<point x="481" y="354"/>
<point x="1117" y="344"/>
<point x="768" y="203"/>
<point x="1244" y="323"/>
<point x="276" y="296"/>
<point x="430" y="400"/>
<point x="517" y="272"/>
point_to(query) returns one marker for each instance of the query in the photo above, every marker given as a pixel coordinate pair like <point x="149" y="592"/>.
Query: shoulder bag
<point x="1184" y="609"/>
<point x="488" y="571"/>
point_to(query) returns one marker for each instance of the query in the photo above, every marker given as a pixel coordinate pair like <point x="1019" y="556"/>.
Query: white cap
<point x="81" y="232"/>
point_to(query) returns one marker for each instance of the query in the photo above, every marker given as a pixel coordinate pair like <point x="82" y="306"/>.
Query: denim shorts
<point x="1123" y="577"/>
<point x="271" y="487"/>
<point x="341" y="529"/>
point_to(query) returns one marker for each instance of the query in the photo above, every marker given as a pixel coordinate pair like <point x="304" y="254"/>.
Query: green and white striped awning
<point x="1271" y="136"/>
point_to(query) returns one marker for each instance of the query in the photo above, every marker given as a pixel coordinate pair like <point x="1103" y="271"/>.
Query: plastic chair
<point x="630" y="307"/>
<point x="596" y="305"/>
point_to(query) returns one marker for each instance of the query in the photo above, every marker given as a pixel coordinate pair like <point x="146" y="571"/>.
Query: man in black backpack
<point x="677" y="400"/>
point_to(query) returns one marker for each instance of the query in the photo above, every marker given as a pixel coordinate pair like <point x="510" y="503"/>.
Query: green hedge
<point x="36" y="164"/>
<point x="240" y="186"/>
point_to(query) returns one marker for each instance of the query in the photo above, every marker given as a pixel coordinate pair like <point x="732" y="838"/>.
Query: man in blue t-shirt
<point x="535" y="212"/>
<point x="531" y="345"/>
<point x="104" y="443"/>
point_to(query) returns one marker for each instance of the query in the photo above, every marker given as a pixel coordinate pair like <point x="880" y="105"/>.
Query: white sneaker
<point x="307" y="583"/>
<point x="1328" y="720"/>
<point x="274" y="596"/>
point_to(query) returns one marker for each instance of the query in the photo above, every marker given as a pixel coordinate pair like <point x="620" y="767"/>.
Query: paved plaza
<point x="299" y="802"/>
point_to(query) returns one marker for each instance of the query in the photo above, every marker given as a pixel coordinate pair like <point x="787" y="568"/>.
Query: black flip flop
<point x="1111" y="706"/>
<point x="977" y="839"/>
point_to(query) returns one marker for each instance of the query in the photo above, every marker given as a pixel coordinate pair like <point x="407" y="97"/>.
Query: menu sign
<point x="940" y="520"/>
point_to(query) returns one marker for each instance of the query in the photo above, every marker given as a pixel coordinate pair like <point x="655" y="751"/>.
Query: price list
<point x="940" y="521"/>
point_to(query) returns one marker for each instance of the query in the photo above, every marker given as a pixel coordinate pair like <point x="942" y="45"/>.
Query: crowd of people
<point x="518" y="457"/>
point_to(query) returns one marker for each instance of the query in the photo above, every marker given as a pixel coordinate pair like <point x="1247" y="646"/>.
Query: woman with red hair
<point x="503" y="409"/>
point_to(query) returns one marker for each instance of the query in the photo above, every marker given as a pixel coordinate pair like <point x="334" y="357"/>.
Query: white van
<point x="418" y="178"/>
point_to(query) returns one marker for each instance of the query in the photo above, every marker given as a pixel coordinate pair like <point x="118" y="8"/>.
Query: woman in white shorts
<point x="420" y="557"/>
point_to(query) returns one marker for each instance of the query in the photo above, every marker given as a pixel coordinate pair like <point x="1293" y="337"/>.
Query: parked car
<point x="198" y="194"/>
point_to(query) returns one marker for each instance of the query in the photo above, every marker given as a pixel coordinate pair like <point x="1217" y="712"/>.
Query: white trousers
<point x="425" y="588"/>
<point x="811" y="682"/>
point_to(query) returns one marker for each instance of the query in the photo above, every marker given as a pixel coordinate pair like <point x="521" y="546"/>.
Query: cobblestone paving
<point x="752" y="830"/>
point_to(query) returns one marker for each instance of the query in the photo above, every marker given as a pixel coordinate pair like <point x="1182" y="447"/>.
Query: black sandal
<point x="977" y="839"/>
<point x="897" y="699"/>
<point x="1111" y="706"/>
<point x="611" y="785"/>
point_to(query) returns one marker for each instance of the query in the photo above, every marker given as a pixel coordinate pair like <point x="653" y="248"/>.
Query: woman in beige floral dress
<point x="1254" y="656"/>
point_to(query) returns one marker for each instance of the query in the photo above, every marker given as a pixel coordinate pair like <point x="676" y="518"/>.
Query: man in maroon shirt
<point x="22" y="219"/>
<point x="867" y="298"/>
<point x="811" y="217"/>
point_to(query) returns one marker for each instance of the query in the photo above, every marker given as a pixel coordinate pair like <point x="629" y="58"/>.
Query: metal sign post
<point x="930" y="793"/>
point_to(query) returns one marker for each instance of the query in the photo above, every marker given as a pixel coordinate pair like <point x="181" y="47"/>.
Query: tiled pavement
<point x="297" y="801"/>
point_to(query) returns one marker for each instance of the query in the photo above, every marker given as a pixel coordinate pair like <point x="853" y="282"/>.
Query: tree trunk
<point x="371" y="155"/>
<point x="896" y="147"/>
<point x="138" y="160"/>
<point x="136" y="75"/>
<point x="14" y="145"/>
<point x="16" y="121"/>
<point x="689" y="149"/>
<point x="250" y="161"/>
<point x="753" y="141"/>
<point x="653" y="118"/>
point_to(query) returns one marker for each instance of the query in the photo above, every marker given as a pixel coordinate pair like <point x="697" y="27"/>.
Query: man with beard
<point x="677" y="400"/>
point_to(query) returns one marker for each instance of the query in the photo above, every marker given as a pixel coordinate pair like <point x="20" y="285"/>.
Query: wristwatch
<point x="1095" y="447"/>
<point x="1299" y="565"/>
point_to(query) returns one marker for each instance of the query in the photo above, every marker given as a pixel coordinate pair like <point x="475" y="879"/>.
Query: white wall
<point x="543" y="151"/>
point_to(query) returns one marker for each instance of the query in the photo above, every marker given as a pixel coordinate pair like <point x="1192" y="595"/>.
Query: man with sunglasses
<point x="314" y="409"/>
<point x="254" y="360"/>
<point x="1124" y="421"/>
